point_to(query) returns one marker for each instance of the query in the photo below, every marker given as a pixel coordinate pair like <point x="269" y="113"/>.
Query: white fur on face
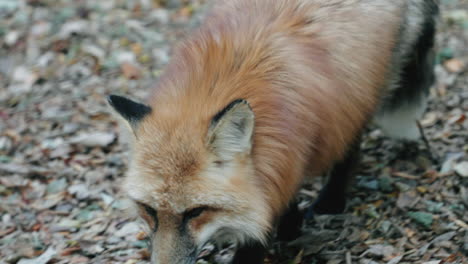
<point x="242" y="206"/>
<point x="247" y="213"/>
<point x="244" y="228"/>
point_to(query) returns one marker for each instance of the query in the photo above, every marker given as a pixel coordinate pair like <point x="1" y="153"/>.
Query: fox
<point x="260" y="97"/>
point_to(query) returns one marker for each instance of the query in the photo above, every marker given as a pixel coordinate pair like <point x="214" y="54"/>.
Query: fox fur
<point x="308" y="75"/>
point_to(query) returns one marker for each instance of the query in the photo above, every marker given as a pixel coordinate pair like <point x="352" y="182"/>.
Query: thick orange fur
<point x="312" y="78"/>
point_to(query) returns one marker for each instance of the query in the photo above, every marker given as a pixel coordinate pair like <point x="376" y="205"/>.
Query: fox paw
<point x="326" y="206"/>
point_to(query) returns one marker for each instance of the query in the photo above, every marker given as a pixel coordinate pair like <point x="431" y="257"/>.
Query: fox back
<point x="263" y="94"/>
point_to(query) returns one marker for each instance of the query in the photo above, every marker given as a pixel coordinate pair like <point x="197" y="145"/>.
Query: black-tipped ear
<point x="231" y="130"/>
<point x="130" y="110"/>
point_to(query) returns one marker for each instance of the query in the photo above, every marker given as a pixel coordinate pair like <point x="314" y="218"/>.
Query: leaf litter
<point x="62" y="156"/>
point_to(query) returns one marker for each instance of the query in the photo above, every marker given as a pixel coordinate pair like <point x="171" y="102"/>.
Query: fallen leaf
<point x="422" y="218"/>
<point x="12" y="37"/>
<point x="429" y="119"/>
<point x="79" y="190"/>
<point x="130" y="71"/>
<point x="22" y="80"/>
<point x="141" y="235"/>
<point x="407" y="199"/>
<point x="405" y="175"/>
<point x="448" y="164"/>
<point x="69" y="251"/>
<point x="395" y="260"/>
<point x="380" y="251"/>
<point x="130" y="228"/>
<point x="42" y="259"/>
<point x="454" y="65"/>
<point x="462" y="168"/>
<point x="96" y="139"/>
<point x="49" y="201"/>
<point x="457" y="119"/>
<point x="7" y="231"/>
<point x="57" y="186"/>
<point x="136" y="48"/>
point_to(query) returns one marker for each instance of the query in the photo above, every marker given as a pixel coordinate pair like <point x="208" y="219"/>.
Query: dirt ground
<point x="62" y="157"/>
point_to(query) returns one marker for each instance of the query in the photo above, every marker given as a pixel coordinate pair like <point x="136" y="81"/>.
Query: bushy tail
<point x="414" y="76"/>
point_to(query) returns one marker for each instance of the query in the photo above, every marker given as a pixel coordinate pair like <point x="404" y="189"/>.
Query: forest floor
<point x="62" y="159"/>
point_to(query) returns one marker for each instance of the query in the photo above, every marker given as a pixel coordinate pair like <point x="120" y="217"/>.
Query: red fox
<point x="262" y="95"/>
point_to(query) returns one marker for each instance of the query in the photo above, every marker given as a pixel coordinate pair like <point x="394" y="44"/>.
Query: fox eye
<point x="149" y="214"/>
<point x="219" y="163"/>
<point x="195" y="212"/>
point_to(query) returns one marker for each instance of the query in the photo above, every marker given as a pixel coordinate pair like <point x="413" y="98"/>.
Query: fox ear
<point x="231" y="130"/>
<point x="130" y="110"/>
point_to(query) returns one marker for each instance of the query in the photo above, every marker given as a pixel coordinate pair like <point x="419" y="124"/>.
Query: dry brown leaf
<point x="130" y="71"/>
<point x="454" y="65"/>
<point x="429" y="119"/>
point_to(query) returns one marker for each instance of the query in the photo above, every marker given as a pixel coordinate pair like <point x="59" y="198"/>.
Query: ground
<point x="62" y="157"/>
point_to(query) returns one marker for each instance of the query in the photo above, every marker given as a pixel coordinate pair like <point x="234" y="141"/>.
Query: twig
<point x="348" y="257"/>
<point x="405" y="175"/>
<point x="308" y="193"/>
<point x="426" y="142"/>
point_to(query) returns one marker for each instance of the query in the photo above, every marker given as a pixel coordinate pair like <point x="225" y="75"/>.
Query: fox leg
<point x="332" y="198"/>
<point x="289" y="228"/>
<point x="290" y="224"/>
<point x="253" y="253"/>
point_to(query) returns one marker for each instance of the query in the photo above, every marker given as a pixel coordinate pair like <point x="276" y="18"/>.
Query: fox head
<point x="192" y="180"/>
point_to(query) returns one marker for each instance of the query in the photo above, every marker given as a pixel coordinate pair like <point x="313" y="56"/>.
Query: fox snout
<point x="220" y="249"/>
